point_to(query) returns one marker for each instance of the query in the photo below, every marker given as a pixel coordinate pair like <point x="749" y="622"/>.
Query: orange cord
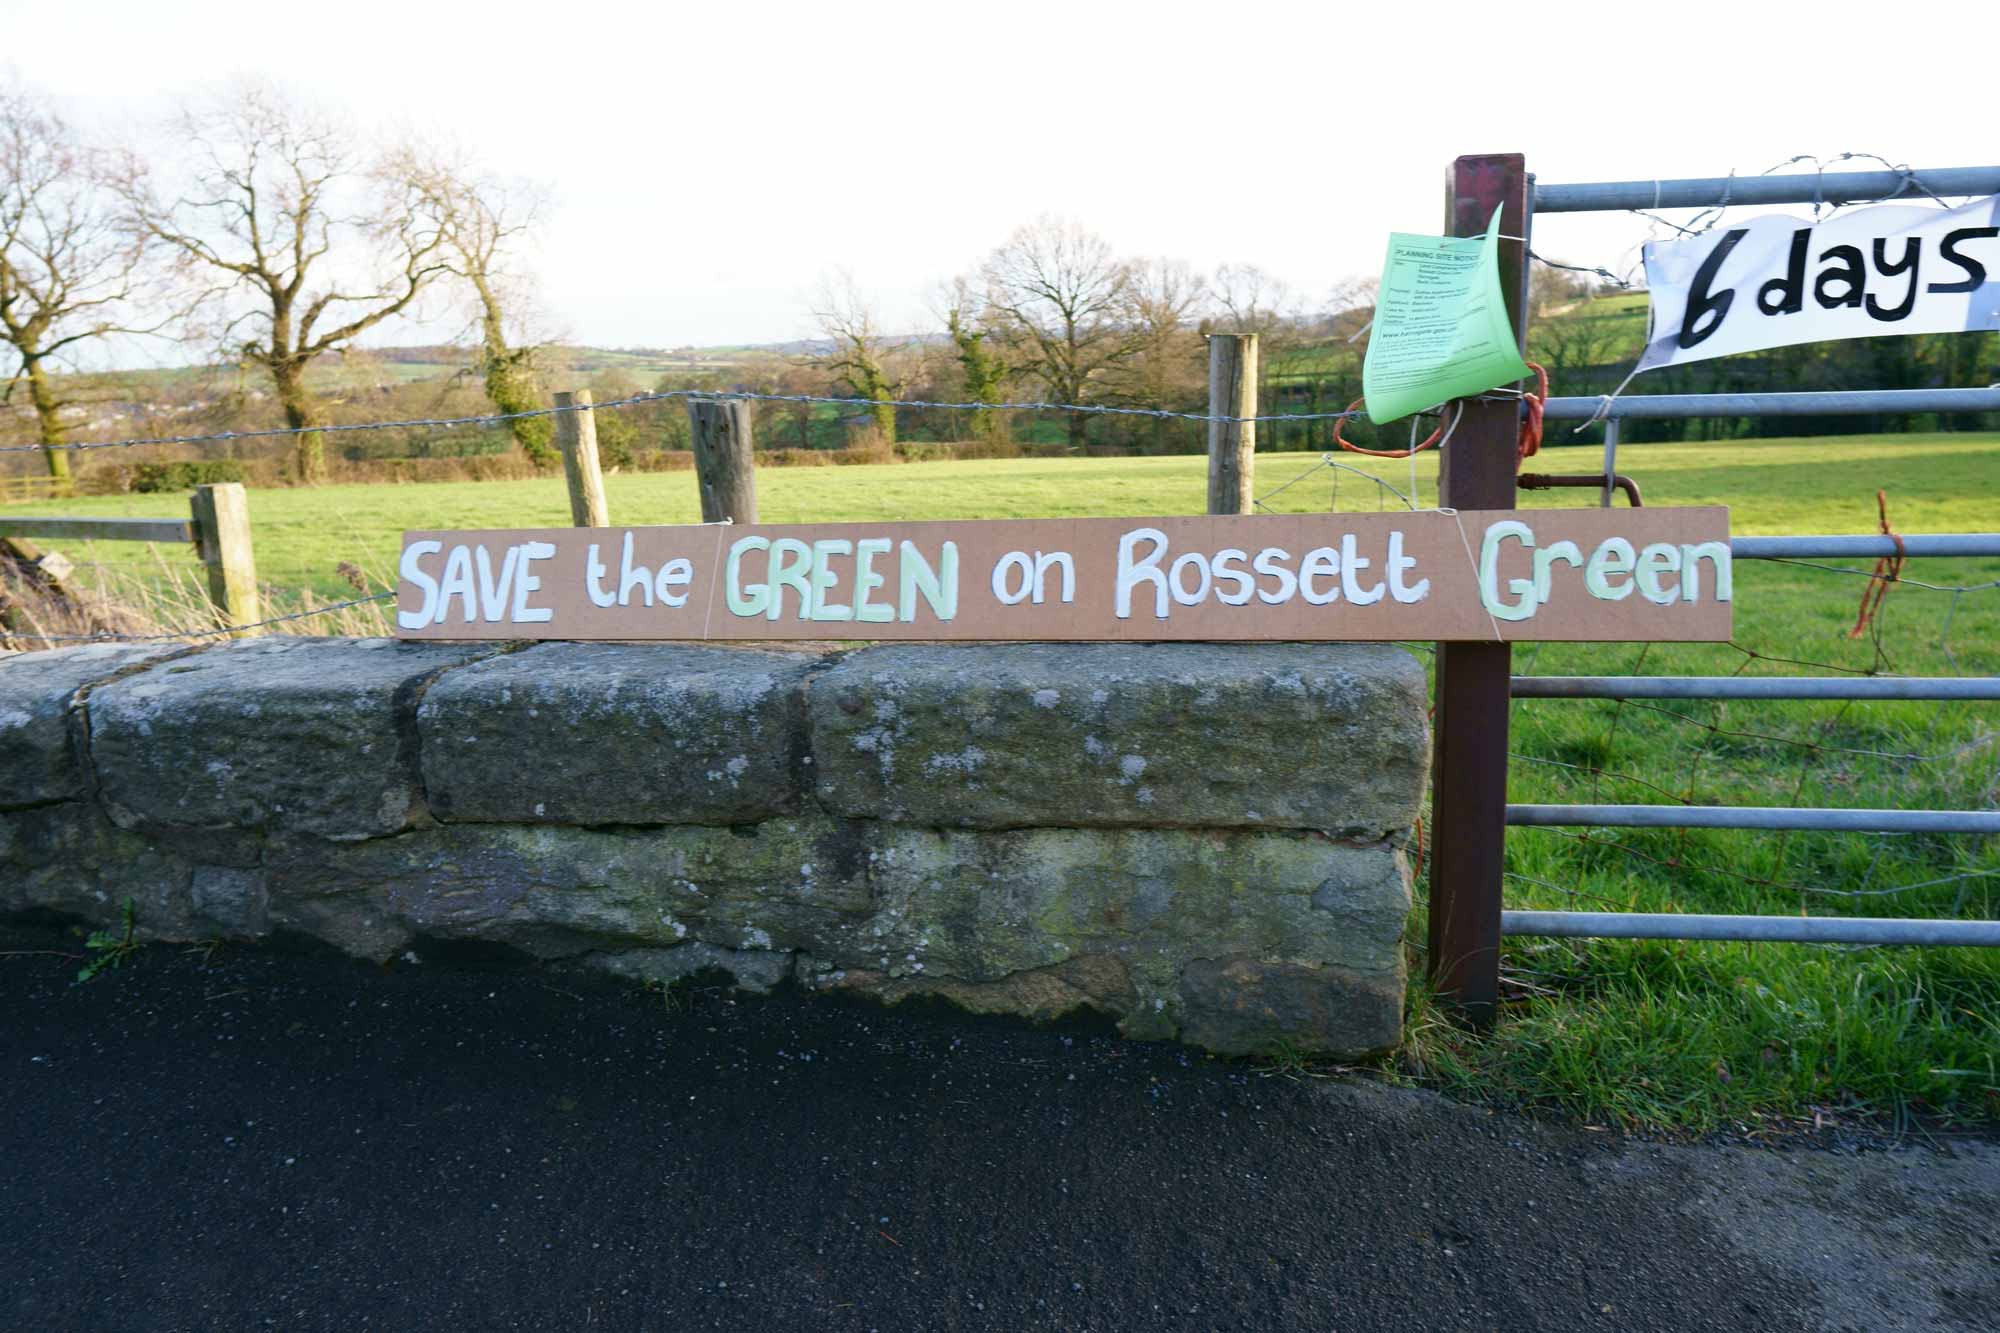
<point x="1342" y="441"/>
<point x="1417" y="866"/>
<point x="1887" y="570"/>
<point x="1531" y="425"/>
<point x="1531" y="421"/>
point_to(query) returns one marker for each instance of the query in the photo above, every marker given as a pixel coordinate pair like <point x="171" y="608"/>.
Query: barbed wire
<point x="1906" y="175"/>
<point x="1595" y="772"/>
<point x="1814" y="746"/>
<point x="1603" y="273"/>
<point x="1752" y="655"/>
<point x="1327" y="462"/>
<point x="1898" y="579"/>
<point x="670" y="395"/>
<point x="1707" y="219"/>
<point x="219" y="631"/>
<point x="1889" y="851"/>
<point x="1958" y="878"/>
<point x="1569" y="889"/>
<point x="1678" y="863"/>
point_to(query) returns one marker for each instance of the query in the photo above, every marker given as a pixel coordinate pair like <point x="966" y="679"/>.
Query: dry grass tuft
<point x="43" y="603"/>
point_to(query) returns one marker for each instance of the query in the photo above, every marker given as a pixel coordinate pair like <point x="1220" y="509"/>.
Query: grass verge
<point x="1698" y="1038"/>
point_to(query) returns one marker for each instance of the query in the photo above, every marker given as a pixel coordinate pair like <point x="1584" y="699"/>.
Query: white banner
<point x="1775" y="281"/>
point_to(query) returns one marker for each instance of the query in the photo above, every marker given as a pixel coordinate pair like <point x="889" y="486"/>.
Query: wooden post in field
<point x="222" y="535"/>
<point x="1232" y="445"/>
<point x="1469" y="778"/>
<point x="576" y="436"/>
<point x="724" y="470"/>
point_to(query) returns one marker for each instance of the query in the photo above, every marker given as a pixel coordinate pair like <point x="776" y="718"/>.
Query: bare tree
<point x="1350" y="308"/>
<point x="483" y="221"/>
<point x="1058" y="296"/>
<point x="1249" y="300"/>
<point x="293" y="245"/>
<point x="68" y="272"/>
<point x="859" y="352"/>
<point x="1168" y="367"/>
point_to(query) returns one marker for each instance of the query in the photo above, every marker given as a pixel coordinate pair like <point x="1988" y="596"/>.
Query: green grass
<point x="1681" y="1036"/>
<point x="1936" y="483"/>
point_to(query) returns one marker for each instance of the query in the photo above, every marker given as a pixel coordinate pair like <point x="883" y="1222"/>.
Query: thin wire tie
<point x="1605" y="400"/>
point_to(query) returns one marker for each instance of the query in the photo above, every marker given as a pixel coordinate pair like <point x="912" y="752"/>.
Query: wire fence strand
<point x="221" y="631"/>
<point x="1926" y="772"/>
<point x="670" y="395"/>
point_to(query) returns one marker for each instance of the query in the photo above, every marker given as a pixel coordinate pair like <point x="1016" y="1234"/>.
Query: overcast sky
<point x="710" y="161"/>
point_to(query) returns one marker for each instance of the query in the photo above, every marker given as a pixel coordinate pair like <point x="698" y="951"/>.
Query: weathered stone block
<point x="306" y="735"/>
<point x="37" y="761"/>
<point x="1244" y="1006"/>
<point x="611" y="733"/>
<point x="1094" y="983"/>
<point x="69" y="858"/>
<point x="1313" y="736"/>
<point x="552" y="891"/>
<point x="987" y="907"/>
<point x="231" y="901"/>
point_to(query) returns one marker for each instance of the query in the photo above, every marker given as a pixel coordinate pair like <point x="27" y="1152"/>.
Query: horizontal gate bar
<point x="1747" y="687"/>
<point x="1780" y="929"/>
<point x="99" y="529"/>
<point x="1827" y="187"/>
<point x="1831" y="402"/>
<point x="1870" y="547"/>
<point x="1754" y="817"/>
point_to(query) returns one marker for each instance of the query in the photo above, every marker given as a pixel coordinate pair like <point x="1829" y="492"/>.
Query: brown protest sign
<point x="1575" y="574"/>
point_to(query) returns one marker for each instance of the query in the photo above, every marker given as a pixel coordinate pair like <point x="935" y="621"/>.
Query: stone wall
<point x="1204" y="841"/>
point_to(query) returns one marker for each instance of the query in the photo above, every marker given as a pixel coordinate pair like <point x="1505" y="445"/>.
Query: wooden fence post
<point x="1232" y="445"/>
<point x="222" y="535"/>
<point x="724" y="468"/>
<point x="576" y="436"/>
<point x="1469" y="778"/>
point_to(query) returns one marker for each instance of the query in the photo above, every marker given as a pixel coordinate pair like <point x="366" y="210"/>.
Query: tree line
<point x="268" y="235"/>
<point x="1055" y="314"/>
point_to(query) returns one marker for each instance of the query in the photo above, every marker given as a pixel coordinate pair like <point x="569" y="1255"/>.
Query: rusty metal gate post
<point x="1469" y="780"/>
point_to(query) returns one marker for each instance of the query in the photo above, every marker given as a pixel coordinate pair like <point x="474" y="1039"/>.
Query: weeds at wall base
<point x="110" y="948"/>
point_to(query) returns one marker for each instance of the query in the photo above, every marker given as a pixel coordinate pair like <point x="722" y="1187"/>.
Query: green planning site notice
<point x="1441" y="328"/>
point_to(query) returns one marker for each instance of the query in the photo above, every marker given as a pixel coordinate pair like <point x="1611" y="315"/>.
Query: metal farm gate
<point x="1476" y="683"/>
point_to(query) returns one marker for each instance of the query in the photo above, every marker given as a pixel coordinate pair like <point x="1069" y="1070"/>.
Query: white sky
<point x="710" y="161"/>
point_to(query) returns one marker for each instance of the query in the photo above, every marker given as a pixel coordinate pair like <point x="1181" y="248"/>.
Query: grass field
<point x="1936" y="483"/>
<point x="1688" y="1036"/>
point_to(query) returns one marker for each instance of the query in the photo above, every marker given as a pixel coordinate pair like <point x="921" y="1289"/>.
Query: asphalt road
<point x="257" y="1140"/>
